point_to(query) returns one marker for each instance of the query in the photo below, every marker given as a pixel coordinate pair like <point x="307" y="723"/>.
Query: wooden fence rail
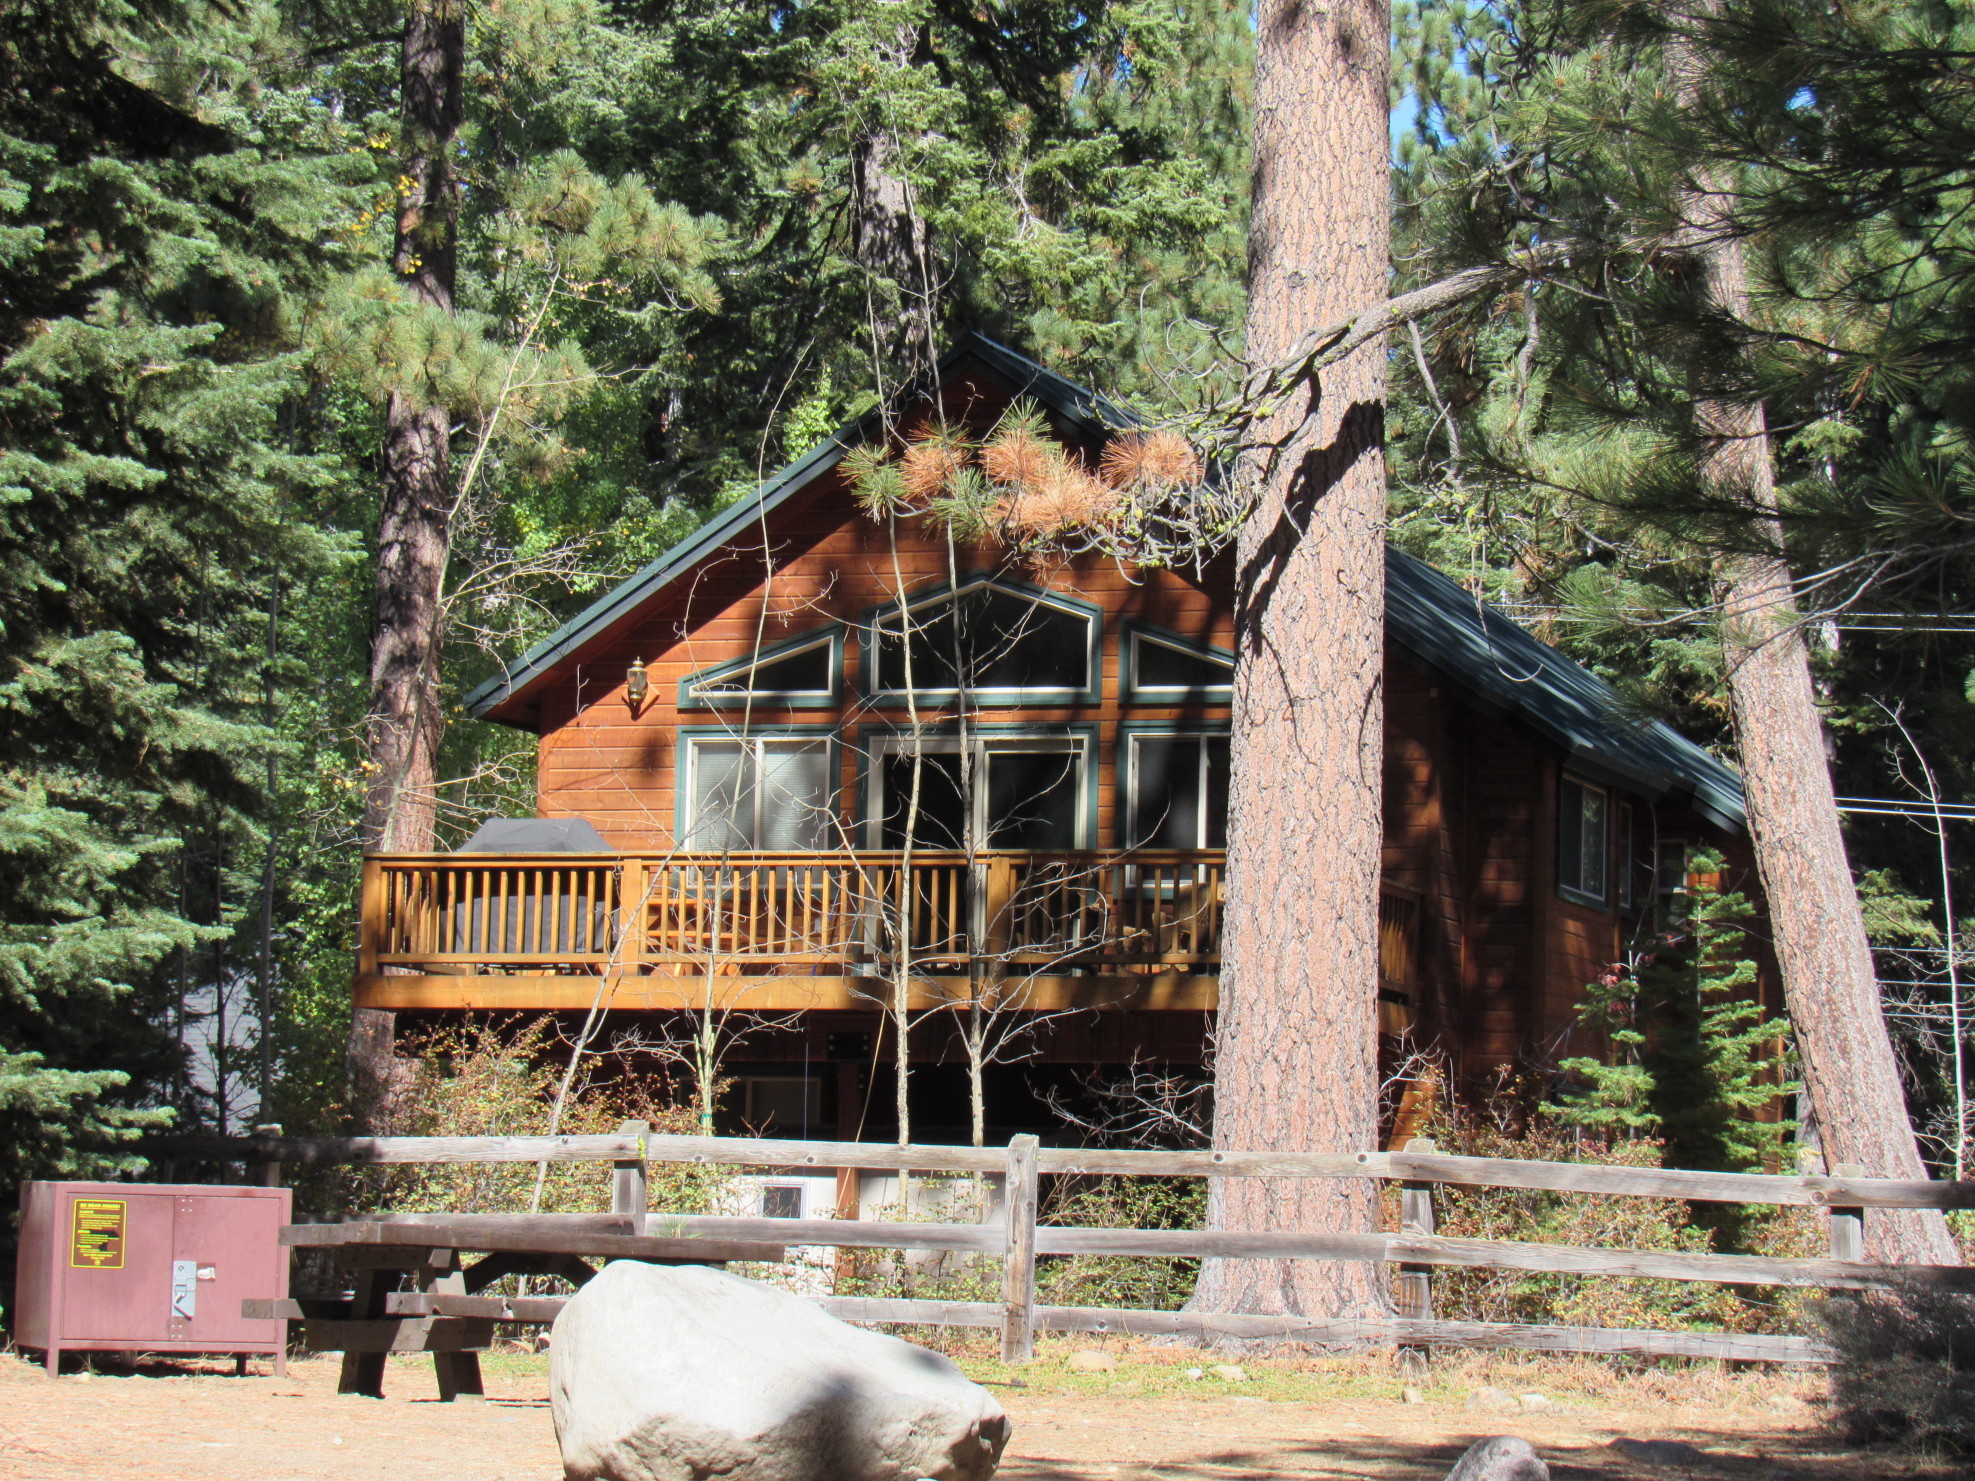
<point x="1851" y="1191"/>
<point x="1020" y="1239"/>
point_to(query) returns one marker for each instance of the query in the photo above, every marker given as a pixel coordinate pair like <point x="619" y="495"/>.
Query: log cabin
<point x="808" y="756"/>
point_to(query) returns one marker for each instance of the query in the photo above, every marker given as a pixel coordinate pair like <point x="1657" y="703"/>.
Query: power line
<point x="1898" y="807"/>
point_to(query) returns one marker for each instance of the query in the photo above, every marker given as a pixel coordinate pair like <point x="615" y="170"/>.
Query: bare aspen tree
<point x="1296" y="1059"/>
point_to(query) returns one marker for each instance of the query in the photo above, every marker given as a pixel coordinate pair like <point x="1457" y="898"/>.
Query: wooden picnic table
<point x="443" y="1313"/>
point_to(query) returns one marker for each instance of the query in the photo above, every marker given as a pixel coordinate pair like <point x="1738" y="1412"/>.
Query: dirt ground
<point x="1151" y="1419"/>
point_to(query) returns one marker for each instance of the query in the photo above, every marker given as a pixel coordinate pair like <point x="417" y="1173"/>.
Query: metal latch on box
<point x="184" y="1288"/>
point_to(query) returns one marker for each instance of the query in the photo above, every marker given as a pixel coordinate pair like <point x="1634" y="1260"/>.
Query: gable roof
<point x="1499" y="666"/>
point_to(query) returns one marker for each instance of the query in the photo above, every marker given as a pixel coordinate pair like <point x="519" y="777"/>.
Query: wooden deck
<point x="780" y="932"/>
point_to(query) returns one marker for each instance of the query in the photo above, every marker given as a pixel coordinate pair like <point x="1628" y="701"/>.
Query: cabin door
<point x="1020" y="792"/>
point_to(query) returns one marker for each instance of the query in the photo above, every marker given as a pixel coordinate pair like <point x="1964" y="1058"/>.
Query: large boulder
<point x="679" y="1373"/>
<point x="1499" y="1458"/>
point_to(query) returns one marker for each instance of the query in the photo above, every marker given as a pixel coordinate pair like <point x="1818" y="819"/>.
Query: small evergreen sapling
<point x="1693" y="1058"/>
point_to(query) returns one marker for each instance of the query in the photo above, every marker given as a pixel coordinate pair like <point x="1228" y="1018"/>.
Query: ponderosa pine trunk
<point x="890" y="240"/>
<point x="1296" y="1047"/>
<point x="413" y="537"/>
<point x="1830" y="986"/>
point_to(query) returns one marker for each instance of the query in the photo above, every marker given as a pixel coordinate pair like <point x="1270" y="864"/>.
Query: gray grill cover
<point x="542" y="919"/>
<point x="535" y="836"/>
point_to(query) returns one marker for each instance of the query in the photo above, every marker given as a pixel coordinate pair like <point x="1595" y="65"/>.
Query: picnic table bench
<point x="444" y="1313"/>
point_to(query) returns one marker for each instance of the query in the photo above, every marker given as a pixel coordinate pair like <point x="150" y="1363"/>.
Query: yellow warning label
<point x="96" y="1239"/>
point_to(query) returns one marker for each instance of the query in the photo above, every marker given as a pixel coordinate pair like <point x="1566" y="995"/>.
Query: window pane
<point x="804" y="672"/>
<point x="1166" y="791"/>
<point x="722" y="803"/>
<point x="1005" y="641"/>
<point x="1033" y="798"/>
<point x="941" y="820"/>
<point x="1154" y="760"/>
<point x="1597" y="841"/>
<point x="1570" y="835"/>
<point x="1157" y="665"/>
<point x="1218" y="772"/>
<point x="794" y="808"/>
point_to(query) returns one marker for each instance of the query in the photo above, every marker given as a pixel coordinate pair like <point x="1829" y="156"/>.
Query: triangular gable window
<point x="797" y="675"/>
<point x="996" y="642"/>
<point x="1165" y="666"/>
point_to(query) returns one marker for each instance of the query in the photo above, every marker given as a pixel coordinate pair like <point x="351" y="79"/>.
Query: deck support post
<point x="633" y="916"/>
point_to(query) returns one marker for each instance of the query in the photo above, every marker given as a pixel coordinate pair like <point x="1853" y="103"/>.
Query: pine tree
<point x="1295" y="1063"/>
<point x="1651" y="401"/>
<point x="147" y="258"/>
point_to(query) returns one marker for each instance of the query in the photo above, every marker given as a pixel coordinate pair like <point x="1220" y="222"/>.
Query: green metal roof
<point x="1501" y="668"/>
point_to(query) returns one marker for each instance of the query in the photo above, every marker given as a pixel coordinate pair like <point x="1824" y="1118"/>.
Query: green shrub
<point x="1135" y="1282"/>
<point x="483" y="1078"/>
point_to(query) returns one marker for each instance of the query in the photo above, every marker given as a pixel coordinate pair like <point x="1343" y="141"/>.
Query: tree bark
<point x="413" y="536"/>
<point x="1830" y="987"/>
<point x="1296" y="1064"/>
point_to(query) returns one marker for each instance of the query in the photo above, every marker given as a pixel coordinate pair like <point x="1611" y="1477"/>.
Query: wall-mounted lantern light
<point x="636" y="685"/>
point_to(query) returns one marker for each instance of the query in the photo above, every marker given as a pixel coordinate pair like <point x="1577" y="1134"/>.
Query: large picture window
<point x="1584" y="841"/>
<point x="1029" y="792"/>
<point x="1176" y="790"/>
<point x="759" y="792"/>
<point x="995" y="642"/>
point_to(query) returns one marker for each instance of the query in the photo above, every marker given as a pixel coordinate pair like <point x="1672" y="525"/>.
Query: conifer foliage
<point x="146" y="506"/>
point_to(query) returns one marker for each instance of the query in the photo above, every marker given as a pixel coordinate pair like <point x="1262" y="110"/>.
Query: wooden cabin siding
<point x="1496" y="957"/>
<point x="1503" y="776"/>
<point x="619" y="771"/>
<point x="1470" y="819"/>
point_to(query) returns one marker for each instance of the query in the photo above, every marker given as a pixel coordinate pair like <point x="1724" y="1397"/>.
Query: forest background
<point x="666" y="283"/>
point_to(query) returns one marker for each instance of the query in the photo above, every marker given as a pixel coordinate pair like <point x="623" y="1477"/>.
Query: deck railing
<point x="692" y="914"/>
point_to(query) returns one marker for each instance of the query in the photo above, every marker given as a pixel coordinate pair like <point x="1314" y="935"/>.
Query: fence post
<point x="1413" y="1291"/>
<point x="1847" y="1222"/>
<point x="1018" y="1269"/>
<point x="270" y="1171"/>
<point x="630" y="1184"/>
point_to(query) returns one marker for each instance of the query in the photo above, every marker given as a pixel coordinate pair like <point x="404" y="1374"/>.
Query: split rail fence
<point x="1019" y="1239"/>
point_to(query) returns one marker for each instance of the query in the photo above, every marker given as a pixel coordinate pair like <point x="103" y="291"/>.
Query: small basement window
<point x="781" y="1201"/>
<point x="1584" y="841"/>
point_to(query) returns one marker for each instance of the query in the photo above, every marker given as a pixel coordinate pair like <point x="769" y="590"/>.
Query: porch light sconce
<point x="636" y="685"/>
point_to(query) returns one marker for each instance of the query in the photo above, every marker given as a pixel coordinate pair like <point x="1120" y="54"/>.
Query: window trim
<point x="1576" y="894"/>
<point x="874" y="742"/>
<point x="1133" y="692"/>
<point x="686" y="771"/>
<point x="1093" y="617"/>
<point x="1129" y="734"/>
<point x="777" y="699"/>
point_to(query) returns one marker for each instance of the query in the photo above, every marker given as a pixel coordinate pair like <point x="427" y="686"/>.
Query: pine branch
<point x="1326" y="346"/>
